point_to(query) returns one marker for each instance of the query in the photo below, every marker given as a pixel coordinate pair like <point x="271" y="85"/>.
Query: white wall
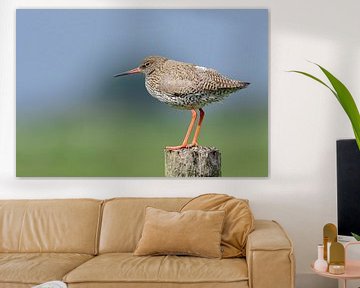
<point x="305" y="120"/>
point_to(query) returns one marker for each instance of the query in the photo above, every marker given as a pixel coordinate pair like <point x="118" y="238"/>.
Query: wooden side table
<point x="352" y="268"/>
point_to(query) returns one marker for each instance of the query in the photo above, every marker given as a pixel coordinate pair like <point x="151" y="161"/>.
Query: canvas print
<point x="142" y="93"/>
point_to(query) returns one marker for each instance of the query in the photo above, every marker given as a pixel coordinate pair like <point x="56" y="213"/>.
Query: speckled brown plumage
<point x="185" y="86"/>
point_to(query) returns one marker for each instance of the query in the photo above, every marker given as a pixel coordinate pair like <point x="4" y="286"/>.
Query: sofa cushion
<point x="126" y="268"/>
<point x="63" y="226"/>
<point x="239" y="220"/>
<point x="123" y="220"/>
<point x="193" y="232"/>
<point x="36" y="268"/>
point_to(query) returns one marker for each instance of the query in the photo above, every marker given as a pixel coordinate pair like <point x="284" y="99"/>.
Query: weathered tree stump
<point x="193" y="162"/>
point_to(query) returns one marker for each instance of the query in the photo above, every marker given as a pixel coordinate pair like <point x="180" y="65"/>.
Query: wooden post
<point x="197" y="161"/>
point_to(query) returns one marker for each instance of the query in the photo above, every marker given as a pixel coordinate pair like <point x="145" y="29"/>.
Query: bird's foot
<point x="172" y="148"/>
<point x="195" y="144"/>
<point x="182" y="146"/>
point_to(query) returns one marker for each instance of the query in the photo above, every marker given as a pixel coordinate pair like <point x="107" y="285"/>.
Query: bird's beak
<point x="132" y="71"/>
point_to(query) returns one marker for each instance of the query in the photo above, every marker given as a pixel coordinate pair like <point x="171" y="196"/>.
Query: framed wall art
<point x="75" y="119"/>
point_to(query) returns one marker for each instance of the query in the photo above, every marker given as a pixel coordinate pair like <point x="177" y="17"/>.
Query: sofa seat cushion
<point x="36" y="268"/>
<point x="127" y="268"/>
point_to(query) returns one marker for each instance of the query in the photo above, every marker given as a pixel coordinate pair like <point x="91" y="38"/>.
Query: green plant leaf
<point x="344" y="97"/>
<point x="316" y="79"/>
<point x="347" y="102"/>
<point x="357" y="237"/>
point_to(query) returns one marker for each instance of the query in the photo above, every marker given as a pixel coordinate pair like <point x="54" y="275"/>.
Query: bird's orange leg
<point x="198" y="128"/>
<point x="186" y="139"/>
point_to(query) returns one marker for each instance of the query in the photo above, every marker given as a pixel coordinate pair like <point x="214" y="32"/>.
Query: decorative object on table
<point x="52" y="284"/>
<point x="336" y="269"/>
<point x="344" y="97"/>
<point x="333" y="251"/>
<point x="73" y="119"/>
<point x="329" y="236"/>
<point x="350" y="270"/>
<point x="320" y="264"/>
<point x="337" y="258"/>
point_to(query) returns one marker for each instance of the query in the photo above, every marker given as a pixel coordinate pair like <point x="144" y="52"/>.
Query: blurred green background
<point x="74" y="119"/>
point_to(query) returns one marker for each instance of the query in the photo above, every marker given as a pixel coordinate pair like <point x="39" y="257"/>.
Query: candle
<point x="336" y="269"/>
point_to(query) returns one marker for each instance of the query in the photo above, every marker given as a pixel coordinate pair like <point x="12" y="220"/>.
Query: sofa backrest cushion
<point x="123" y="220"/>
<point x="66" y="226"/>
<point x="239" y="220"/>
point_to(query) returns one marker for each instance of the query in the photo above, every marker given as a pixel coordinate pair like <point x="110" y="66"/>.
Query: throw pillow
<point x="196" y="233"/>
<point x="239" y="220"/>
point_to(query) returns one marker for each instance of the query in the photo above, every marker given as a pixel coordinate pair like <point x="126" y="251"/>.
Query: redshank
<point x="185" y="86"/>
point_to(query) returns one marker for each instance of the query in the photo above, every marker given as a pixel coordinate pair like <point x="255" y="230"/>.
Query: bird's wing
<point x="183" y="79"/>
<point x="179" y="80"/>
<point x="212" y="81"/>
<point x="177" y="87"/>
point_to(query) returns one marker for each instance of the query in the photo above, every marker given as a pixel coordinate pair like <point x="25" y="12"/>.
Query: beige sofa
<point x="89" y="243"/>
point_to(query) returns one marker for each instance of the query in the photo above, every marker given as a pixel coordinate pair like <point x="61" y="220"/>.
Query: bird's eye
<point x="146" y="64"/>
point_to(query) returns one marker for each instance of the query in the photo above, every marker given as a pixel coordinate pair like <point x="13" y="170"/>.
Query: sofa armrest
<point x="269" y="256"/>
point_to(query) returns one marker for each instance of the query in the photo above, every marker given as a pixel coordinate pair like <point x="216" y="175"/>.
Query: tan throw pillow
<point x="196" y="233"/>
<point x="239" y="220"/>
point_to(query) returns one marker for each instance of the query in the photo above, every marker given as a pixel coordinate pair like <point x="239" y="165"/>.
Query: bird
<point x="185" y="86"/>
